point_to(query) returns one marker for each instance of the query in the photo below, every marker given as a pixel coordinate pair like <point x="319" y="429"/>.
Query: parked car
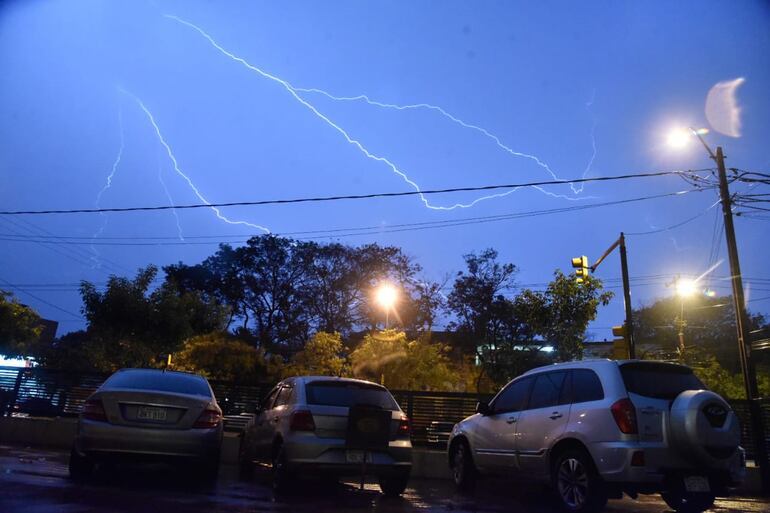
<point x="597" y="429"/>
<point x="149" y="415"/>
<point x="330" y="427"/>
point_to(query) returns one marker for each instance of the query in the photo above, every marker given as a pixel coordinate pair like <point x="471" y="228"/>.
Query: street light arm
<point x="703" y="142"/>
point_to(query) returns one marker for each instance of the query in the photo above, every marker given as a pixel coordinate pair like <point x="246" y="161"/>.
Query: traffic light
<point x="620" y="345"/>
<point x="581" y="268"/>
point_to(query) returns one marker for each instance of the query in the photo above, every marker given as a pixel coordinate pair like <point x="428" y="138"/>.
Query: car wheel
<point x="80" y="466"/>
<point x="393" y="485"/>
<point x="463" y="470"/>
<point x="578" y="486"/>
<point x="245" y="459"/>
<point x="684" y="502"/>
<point x="209" y="469"/>
<point x="282" y="478"/>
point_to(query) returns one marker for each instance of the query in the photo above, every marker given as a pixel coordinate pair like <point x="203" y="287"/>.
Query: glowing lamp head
<point x="679" y="138"/>
<point x="686" y="288"/>
<point x="386" y="295"/>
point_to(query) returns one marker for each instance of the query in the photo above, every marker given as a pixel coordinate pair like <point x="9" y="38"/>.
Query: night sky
<point x="459" y="94"/>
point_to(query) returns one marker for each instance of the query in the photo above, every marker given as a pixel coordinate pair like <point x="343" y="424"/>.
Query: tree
<point x="136" y="327"/>
<point x="20" y="327"/>
<point x="390" y="358"/>
<point x="323" y="355"/>
<point x="570" y="307"/>
<point x="221" y="356"/>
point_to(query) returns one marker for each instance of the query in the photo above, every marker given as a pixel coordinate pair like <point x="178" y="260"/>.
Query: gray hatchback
<point x="149" y="414"/>
<point x="331" y="427"/>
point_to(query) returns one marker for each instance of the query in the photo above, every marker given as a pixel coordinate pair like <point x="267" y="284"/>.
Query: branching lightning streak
<point x="579" y="188"/>
<point x="95" y="256"/>
<point x="295" y="93"/>
<point x="187" y="179"/>
<point x="170" y="200"/>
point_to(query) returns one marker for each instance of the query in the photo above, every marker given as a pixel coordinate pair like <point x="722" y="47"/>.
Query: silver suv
<point x="330" y="427"/>
<point x="597" y="429"/>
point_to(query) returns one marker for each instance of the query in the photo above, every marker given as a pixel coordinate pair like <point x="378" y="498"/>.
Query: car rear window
<point x="173" y="382"/>
<point x="346" y="393"/>
<point x="659" y="380"/>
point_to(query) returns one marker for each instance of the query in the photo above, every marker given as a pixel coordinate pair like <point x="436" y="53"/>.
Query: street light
<point x="686" y="287"/>
<point x="386" y="296"/>
<point x="741" y="319"/>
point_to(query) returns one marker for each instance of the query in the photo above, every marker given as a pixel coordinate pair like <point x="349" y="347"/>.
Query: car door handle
<point x="511" y="420"/>
<point x="556" y="415"/>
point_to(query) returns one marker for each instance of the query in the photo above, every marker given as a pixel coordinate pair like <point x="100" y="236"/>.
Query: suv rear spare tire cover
<point x="704" y="427"/>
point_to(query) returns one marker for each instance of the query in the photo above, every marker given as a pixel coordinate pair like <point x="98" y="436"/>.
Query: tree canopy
<point x="19" y="327"/>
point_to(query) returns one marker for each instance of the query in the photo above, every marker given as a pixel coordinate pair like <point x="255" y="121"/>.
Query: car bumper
<point x="313" y="454"/>
<point x="614" y="461"/>
<point x="103" y="439"/>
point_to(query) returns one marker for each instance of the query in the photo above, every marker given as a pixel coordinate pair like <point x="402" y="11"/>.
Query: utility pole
<point x="628" y="332"/>
<point x="741" y="321"/>
<point x="627" y="297"/>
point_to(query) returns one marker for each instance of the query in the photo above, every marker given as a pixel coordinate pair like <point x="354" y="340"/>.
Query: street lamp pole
<point x="741" y="319"/>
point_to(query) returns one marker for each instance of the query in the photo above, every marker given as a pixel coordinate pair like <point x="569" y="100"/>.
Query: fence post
<point x="409" y="405"/>
<point x="15" y="394"/>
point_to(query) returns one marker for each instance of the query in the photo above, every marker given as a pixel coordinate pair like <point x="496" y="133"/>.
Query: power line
<point x="44" y="301"/>
<point x="318" y="199"/>
<point x="342" y="232"/>
<point x="677" y="225"/>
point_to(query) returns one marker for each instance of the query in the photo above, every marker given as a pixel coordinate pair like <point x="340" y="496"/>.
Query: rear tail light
<point x="210" y="418"/>
<point x="302" y="420"/>
<point x="625" y="416"/>
<point x="403" y="427"/>
<point x="93" y="409"/>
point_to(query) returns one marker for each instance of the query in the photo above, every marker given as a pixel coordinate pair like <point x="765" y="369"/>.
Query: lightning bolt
<point x="95" y="253"/>
<point x="170" y="199"/>
<point x="579" y="188"/>
<point x="186" y="178"/>
<point x="295" y="93"/>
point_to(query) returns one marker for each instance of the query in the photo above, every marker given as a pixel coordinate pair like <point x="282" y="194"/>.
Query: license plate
<point x="148" y="413"/>
<point x="696" y="484"/>
<point x="358" y="456"/>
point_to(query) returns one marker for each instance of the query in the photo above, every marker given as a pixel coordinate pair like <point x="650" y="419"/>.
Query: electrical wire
<point x="318" y="199"/>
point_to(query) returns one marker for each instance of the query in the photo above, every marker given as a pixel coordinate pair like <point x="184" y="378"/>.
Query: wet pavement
<point x="35" y="480"/>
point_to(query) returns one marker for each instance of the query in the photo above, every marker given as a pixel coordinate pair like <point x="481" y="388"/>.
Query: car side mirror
<point x="483" y="408"/>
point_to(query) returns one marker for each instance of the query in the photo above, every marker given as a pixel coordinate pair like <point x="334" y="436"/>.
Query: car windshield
<point x="659" y="380"/>
<point x="349" y="393"/>
<point x="174" y="382"/>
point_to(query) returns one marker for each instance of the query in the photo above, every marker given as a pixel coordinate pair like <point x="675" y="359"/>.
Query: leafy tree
<point x="221" y="356"/>
<point x="136" y="327"/>
<point x="390" y="358"/>
<point x="569" y="308"/>
<point x="709" y="327"/>
<point x="20" y="327"/>
<point x="323" y="355"/>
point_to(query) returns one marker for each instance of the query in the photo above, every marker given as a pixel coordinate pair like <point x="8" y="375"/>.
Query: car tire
<point x="578" y="487"/>
<point x="80" y="466"/>
<point x="393" y="485"/>
<point x="282" y="478"/>
<point x="210" y="470"/>
<point x="684" y="502"/>
<point x="464" y="472"/>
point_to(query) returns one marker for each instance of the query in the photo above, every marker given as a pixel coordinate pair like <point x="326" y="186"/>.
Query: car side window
<point x="586" y="386"/>
<point x="514" y="397"/>
<point x="284" y="396"/>
<point x="547" y="389"/>
<point x="267" y="403"/>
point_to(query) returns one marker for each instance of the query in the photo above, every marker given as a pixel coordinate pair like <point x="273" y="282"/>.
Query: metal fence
<point x="46" y="393"/>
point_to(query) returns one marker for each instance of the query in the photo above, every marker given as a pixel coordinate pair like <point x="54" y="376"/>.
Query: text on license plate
<point x="149" y="413"/>
<point x="357" y="456"/>
<point x="696" y="484"/>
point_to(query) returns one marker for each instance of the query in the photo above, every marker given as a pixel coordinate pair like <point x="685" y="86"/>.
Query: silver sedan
<point x="149" y="415"/>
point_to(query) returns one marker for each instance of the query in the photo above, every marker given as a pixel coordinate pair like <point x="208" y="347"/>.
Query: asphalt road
<point x="35" y="481"/>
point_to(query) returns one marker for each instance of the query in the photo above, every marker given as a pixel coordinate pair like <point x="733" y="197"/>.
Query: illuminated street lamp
<point x="686" y="287"/>
<point x="386" y="296"/>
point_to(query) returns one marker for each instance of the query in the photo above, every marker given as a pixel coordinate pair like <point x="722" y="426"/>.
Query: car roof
<point x="133" y="370"/>
<point x="307" y="379"/>
<point x="577" y="364"/>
